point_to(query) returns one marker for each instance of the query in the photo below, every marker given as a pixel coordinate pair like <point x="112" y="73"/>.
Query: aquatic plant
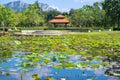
<point x="101" y="46"/>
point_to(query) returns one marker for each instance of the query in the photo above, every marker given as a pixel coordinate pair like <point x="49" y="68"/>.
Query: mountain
<point x="19" y="5"/>
<point x="46" y="7"/>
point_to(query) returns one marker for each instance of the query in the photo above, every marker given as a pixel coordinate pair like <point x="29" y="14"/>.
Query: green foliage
<point x="82" y="65"/>
<point x="69" y="64"/>
<point x="88" y="45"/>
<point x="100" y="14"/>
<point x="32" y="28"/>
<point x="58" y="66"/>
<point x="112" y="10"/>
<point x="68" y="28"/>
<point x="54" y="58"/>
<point x="94" y="65"/>
<point x="56" y="51"/>
<point x="7" y="74"/>
<point x="17" y="42"/>
<point x="117" y="75"/>
<point x="50" y="78"/>
<point x="7" y="17"/>
<point x="36" y="77"/>
<point x="88" y="16"/>
<point x="63" y="56"/>
<point x="46" y="61"/>
<point x="34" y="15"/>
<point x="49" y="15"/>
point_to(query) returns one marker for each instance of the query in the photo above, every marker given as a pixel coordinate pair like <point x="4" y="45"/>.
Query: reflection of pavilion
<point x="60" y="19"/>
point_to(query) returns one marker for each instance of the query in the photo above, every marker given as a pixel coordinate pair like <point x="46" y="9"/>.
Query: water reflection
<point x="12" y="70"/>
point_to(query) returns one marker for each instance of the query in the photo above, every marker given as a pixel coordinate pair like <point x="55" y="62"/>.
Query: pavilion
<point x="60" y="19"/>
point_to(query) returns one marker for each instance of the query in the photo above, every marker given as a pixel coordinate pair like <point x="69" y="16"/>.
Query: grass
<point x="32" y="28"/>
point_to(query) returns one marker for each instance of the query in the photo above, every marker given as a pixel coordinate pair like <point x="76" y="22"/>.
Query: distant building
<point x="60" y="19"/>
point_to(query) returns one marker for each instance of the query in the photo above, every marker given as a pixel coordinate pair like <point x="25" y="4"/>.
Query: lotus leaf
<point x="17" y="42"/>
<point x="58" y="66"/>
<point x="116" y="74"/>
<point x="50" y="78"/>
<point x="35" y="60"/>
<point x="83" y="53"/>
<point x="63" y="56"/>
<point x="27" y="65"/>
<point x="94" y="65"/>
<point x="7" y="74"/>
<point x="79" y="65"/>
<point x="46" y="61"/>
<point x="36" y="77"/>
<point x="69" y="64"/>
<point x="82" y="64"/>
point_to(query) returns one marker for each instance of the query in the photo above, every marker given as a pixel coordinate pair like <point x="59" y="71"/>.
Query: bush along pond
<point x="69" y="57"/>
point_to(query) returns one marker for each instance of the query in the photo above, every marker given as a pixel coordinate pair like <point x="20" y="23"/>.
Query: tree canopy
<point x="100" y="14"/>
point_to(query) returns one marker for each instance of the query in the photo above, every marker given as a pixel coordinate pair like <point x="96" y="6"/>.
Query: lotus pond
<point x="87" y="56"/>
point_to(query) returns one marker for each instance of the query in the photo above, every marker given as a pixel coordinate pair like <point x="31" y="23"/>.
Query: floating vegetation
<point x="17" y="42"/>
<point x="49" y="78"/>
<point x="36" y="77"/>
<point x="63" y="52"/>
<point x="7" y="74"/>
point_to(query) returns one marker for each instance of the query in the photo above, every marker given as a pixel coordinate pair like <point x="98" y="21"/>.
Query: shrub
<point x="116" y="29"/>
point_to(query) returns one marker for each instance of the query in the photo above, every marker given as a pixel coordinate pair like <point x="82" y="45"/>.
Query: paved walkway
<point x="41" y="32"/>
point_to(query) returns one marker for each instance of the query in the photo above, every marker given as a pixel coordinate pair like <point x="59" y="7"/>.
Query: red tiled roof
<point x="59" y="21"/>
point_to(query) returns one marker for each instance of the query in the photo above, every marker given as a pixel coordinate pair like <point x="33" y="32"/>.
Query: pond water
<point x="12" y="70"/>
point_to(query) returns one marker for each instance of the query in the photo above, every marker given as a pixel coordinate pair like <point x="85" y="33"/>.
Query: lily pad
<point x="63" y="56"/>
<point x="82" y="64"/>
<point x="49" y="78"/>
<point x="79" y="65"/>
<point x="58" y="66"/>
<point x="47" y="61"/>
<point x="17" y="42"/>
<point x="69" y="64"/>
<point x="116" y="74"/>
<point x="36" y="77"/>
<point x="7" y="74"/>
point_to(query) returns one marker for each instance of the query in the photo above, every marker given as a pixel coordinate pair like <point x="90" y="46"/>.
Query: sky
<point x="62" y="5"/>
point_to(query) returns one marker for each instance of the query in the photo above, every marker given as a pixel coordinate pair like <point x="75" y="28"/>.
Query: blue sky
<point x="60" y="4"/>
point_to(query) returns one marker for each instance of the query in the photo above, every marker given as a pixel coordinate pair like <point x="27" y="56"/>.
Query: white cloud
<point x="65" y="10"/>
<point x="55" y="7"/>
<point x="79" y="0"/>
<point x="59" y="9"/>
<point x="85" y="1"/>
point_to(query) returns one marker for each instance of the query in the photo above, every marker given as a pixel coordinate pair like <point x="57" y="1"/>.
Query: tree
<point x="71" y="12"/>
<point x="88" y="16"/>
<point x="51" y="15"/>
<point x="6" y="16"/>
<point x="82" y="17"/>
<point x="112" y="8"/>
<point x="34" y="15"/>
<point x="98" y="14"/>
